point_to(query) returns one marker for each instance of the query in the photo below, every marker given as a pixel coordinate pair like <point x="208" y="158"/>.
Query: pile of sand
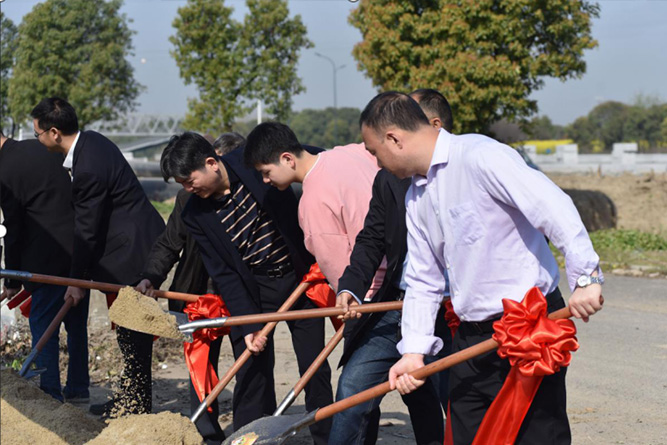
<point x="138" y="312"/>
<point x="28" y="415"/>
<point x="163" y="428"/>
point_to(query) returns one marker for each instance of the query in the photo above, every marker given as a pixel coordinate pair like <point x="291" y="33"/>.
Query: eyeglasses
<point x="37" y="135"/>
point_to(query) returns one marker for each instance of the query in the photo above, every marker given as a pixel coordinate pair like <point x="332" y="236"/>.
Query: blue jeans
<point x="46" y="302"/>
<point x="368" y="366"/>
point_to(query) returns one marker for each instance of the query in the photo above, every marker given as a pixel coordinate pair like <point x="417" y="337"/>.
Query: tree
<point x="7" y="48"/>
<point x="233" y="64"/>
<point x="541" y="127"/>
<point x="485" y="56"/>
<point x="316" y="127"/>
<point x="75" y="49"/>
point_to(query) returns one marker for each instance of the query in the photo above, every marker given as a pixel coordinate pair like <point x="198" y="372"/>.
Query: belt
<point x="273" y="270"/>
<point x="478" y="327"/>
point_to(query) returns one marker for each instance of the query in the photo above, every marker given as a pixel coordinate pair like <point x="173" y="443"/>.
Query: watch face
<point x="583" y="281"/>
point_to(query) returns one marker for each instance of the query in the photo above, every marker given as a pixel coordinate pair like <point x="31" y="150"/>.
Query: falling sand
<point x="138" y="312"/>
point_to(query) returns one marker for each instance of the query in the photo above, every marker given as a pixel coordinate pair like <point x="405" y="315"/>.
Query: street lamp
<point x="335" y="95"/>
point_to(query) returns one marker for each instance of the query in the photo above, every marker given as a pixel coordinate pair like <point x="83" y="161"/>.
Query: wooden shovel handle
<point x="421" y="373"/>
<point x="266" y="330"/>
<point x="85" y="284"/>
<point x="312" y="369"/>
<point x="55" y="324"/>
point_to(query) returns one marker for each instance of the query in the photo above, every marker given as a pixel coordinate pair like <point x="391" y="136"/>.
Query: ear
<point x="55" y="134"/>
<point x="288" y="159"/>
<point x="436" y="122"/>
<point x="211" y="163"/>
<point x="394" y="138"/>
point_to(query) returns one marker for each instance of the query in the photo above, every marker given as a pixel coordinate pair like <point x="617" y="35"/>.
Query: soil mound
<point x="138" y="312"/>
<point x="162" y="428"/>
<point x="31" y="416"/>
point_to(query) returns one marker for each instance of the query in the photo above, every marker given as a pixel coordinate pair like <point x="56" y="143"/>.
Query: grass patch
<point x="163" y="208"/>
<point x="628" y="249"/>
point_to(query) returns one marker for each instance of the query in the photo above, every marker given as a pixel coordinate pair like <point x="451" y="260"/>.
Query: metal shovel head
<point x="270" y="430"/>
<point x="27" y="370"/>
<point x="181" y="319"/>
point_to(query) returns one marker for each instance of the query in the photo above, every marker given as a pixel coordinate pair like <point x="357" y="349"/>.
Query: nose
<point x="266" y="180"/>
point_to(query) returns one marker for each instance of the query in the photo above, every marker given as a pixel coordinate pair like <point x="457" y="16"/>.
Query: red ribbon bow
<point x="202" y="373"/>
<point x="535" y="346"/>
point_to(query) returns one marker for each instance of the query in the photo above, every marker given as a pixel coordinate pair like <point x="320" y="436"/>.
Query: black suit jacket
<point x="384" y="234"/>
<point x="224" y="264"/>
<point x="36" y="200"/>
<point x="115" y="224"/>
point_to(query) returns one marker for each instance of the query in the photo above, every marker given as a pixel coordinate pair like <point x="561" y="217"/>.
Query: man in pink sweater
<point x="337" y="188"/>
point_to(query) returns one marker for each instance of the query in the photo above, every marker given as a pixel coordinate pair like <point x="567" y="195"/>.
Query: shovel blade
<point x="26" y="370"/>
<point x="272" y="430"/>
<point x="182" y="318"/>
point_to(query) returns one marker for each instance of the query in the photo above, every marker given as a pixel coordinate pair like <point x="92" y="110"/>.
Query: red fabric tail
<point x="320" y="292"/>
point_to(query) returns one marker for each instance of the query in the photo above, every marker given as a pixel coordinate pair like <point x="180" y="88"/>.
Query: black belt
<point x="273" y="270"/>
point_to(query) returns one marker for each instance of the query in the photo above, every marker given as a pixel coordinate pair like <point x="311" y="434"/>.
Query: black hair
<point x="434" y="104"/>
<point x="184" y="154"/>
<point x="393" y="109"/>
<point x="227" y="142"/>
<point x="54" y="112"/>
<point x="267" y="141"/>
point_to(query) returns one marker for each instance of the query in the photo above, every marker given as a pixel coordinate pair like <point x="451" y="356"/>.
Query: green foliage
<point x="626" y="240"/>
<point x="7" y="48"/>
<point x="541" y="128"/>
<point x="75" y="49"/>
<point x="163" y="208"/>
<point x="485" y="56"/>
<point x="233" y="64"/>
<point x="316" y="127"/>
<point x="610" y="122"/>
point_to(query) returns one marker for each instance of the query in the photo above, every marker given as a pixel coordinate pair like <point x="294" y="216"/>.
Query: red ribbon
<point x="202" y="373"/>
<point x="320" y="292"/>
<point x="535" y="346"/>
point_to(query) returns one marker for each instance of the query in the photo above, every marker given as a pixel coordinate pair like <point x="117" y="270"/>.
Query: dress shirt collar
<point x="69" y="159"/>
<point x="440" y="156"/>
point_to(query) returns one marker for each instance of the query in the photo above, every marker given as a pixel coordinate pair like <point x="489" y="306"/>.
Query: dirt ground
<point x="641" y="202"/>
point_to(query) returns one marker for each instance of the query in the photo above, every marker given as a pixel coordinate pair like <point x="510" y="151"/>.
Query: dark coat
<point x="176" y="245"/>
<point x="384" y="234"/>
<point x="36" y="200"/>
<point x="115" y="225"/>
<point x="229" y="273"/>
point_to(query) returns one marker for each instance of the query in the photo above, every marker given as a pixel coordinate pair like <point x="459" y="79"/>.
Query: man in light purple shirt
<point x="477" y="213"/>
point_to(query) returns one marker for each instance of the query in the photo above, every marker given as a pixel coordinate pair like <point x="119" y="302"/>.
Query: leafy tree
<point x="7" y="48"/>
<point x="542" y="128"/>
<point x="75" y="49"/>
<point x="233" y="64"/>
<point x="316" y="127"/>
<point x="485" y="56"/>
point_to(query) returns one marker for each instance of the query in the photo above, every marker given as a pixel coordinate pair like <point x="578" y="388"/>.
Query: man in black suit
<point x="35" y="196"/>
<point x="370" y="341"/>
<point x="115" y="226"/>
<point x="252" y="247"/>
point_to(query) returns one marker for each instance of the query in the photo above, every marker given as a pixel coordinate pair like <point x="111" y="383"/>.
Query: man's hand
<point x="10" y="293"/>
<point x="75" y="293"/>
<point x="255" y="343"/>
<point x="346" y="301"/>
<point x="585" y="301"/>
<point x="399" y="377"/>
<point x="146" y="287"/>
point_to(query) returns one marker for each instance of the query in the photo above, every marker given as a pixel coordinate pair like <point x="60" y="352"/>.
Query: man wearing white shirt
<point x="476" y="211"/>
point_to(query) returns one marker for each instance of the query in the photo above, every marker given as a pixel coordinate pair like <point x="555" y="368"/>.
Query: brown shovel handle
<point x="266" y="330"/>
<point x="55" y="324"/>
<point x="85" y="284"/>
<point x="312" y="369"/>
<point x="421" y="373"/>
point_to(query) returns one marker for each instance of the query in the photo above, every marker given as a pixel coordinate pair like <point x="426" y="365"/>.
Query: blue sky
<point x="631" y="58"/>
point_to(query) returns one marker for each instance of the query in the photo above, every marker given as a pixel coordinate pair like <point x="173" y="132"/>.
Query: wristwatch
<point x="587" y="280"/>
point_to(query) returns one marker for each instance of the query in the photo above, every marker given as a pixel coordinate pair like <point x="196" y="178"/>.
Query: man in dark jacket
<point x="36" y="200"/>
<point x="176" y="244"/>
<point x="253" y="250"/>
<point x="370" y="342"/>
<point x="115" y="226"/>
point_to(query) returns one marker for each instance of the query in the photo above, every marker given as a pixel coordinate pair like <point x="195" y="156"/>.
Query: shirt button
<point x="456" y="293"/>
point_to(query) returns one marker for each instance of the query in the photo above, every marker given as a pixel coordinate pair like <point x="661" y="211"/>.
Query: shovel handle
<point x="85" y="284"/>
<point x="266" y="330"/>
<point x="55" y="324"/>
<point x="421" y="373"/>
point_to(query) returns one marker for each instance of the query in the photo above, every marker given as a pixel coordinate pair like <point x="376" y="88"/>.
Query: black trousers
<point x="475" y="383"/>
<point x="254" y="392"/>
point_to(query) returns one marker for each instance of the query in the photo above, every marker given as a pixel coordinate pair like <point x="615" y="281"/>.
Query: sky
<point x="631" y="59"/>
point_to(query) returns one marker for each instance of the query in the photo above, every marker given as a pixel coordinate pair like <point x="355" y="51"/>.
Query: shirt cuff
<point x="420" y="344"/>
<point x="351" y="293"/>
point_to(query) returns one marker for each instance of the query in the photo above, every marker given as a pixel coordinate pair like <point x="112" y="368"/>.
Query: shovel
<point x="305" y="378"/>
<point x="276" y="430"/>
<point x="26" y="371"/>
<point x="85" y="284"/>
<point x="266" y="330"/>
<point x="189" y="327"/>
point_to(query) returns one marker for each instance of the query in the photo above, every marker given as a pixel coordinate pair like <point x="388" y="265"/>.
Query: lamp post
<point x="335" y="95"/>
